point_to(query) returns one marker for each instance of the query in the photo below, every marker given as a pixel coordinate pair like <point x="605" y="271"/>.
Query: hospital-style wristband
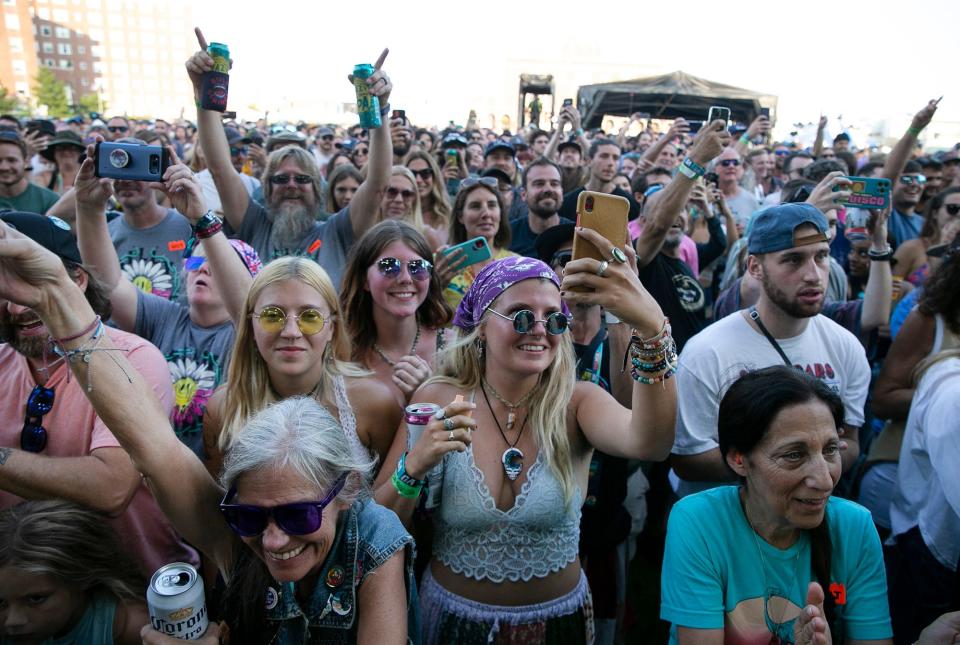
<point x="691" y="169"/>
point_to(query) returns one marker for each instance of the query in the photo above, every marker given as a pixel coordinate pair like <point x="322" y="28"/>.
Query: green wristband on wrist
<point x="914" y="131"/>
<point x="405" y="490"/>
<point x="745" y="140"/>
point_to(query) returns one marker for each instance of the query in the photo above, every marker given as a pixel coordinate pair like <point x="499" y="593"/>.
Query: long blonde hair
<point x="461" y="367"/>
<point x="442" y="209"/>
<point x="416" y="217"/>
<point x="248" y="381"/>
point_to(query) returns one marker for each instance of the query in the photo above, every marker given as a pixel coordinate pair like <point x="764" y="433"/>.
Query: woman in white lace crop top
<point x="516" y="450"/>
<point x="291" y="342"/>
<point x="394" y="307"/>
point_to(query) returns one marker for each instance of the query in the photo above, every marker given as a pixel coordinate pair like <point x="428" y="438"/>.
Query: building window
<point x="61" y="15"/>
<point x="43" y="13"/>
<point x="16" y="45"/>
<point x="63" y="32"/>
<point x="12" y="21"/>
<point x="19" y="67"/>
<point x="64" y="49"/>
<point x="82" y="64"/>
<point x="81" y="50"/>
<point x="47" y="48"/>
<point x="44" y="30"/>
<point x="49" y="62"/>
<point x="66" y="63"/>
<point x="84" y="82"/>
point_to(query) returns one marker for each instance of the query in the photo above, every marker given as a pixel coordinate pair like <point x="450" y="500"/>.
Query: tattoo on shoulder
<point x="4" y="454"/>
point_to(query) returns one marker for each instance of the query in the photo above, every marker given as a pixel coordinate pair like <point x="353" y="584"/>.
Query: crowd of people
<point x="735" y="424"/>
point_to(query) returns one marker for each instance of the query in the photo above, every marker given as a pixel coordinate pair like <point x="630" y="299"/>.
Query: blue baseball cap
<point x="774" y="229"/>
<point x="499" y="145"/>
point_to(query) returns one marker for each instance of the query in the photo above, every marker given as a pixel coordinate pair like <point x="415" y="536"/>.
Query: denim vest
<point x="367" y="536"/>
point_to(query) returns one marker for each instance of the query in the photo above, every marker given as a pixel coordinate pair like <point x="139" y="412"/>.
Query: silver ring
<point x="602" y="268"/>
<point x="440" y="414"/>
<point x="448" y="424"/>
<point x="619" y="255"/>
<point x="450" y="438"/>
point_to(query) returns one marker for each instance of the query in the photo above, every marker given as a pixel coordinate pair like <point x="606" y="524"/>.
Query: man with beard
<point x="604" y="158"/>
<point x="52" y="444"/>
<point x="16" y="191"/>
<point x="287" y="224"/>
<point x="541" y="191"/>
<point x="789" y="250"/>
<point x="149" y="238"/>
<point x="401" y="136"/>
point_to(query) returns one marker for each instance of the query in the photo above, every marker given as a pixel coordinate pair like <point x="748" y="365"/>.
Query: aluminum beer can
<point x="368" y="105"/>
<point x="176" y="603"/>
<point x="418" y="415"/>
<point x="216" y="83"/>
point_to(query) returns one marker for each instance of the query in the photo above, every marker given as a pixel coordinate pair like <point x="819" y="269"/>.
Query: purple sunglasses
<point x="298" y="518"/>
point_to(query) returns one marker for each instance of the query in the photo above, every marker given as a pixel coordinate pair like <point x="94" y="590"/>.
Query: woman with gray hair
<point x="306" y="555"/>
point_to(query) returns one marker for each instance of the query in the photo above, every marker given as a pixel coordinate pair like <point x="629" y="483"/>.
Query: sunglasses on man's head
<point x="730" y="162"/>
<point x="283" y="180"/>
<point x="425" y="173"/>
<point x="909" y="180"/>
<point x="299" y="518"/>
<point x="33" y="436"/>
<point x="390" y="267"/>
<point x="470" y="182"/>
<point x="273" y="320"/>
<point x="406" y="193"/>
<point x="524" y="321"/>
<point x="117" y="128"/>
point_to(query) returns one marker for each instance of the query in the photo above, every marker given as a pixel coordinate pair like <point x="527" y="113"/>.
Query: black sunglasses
<point x="952" y="209"/>
<point x="327" y="137"/>
<point x="390" y="267"/>
<point x="117" y="128"/>
<point x="299" y="518"/>
<point x="524" y="320"/>
<point x="283" y="180"/>
<point x="406" y="193"/>
<point x="33" y="437"/>
<point x="730" y="162"/>
<point x="424" y="174"/>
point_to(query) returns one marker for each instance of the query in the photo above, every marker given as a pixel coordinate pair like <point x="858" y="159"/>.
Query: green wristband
<point x="744" y="140"/>
<point x="914" y="131"/>
<point x="405" y="490"/>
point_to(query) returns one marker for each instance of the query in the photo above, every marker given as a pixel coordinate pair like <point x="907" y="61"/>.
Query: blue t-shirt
<point x="715" y="578"/>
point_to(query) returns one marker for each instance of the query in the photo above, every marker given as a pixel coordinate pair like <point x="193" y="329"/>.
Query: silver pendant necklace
<point x="512" y="457"/>
<point x="389" y="361"/>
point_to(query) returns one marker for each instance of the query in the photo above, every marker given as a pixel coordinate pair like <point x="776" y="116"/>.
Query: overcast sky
<point x="876" y="63"/>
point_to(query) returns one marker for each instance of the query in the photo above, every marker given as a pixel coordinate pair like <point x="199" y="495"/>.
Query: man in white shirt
<point x="789" y="256"/>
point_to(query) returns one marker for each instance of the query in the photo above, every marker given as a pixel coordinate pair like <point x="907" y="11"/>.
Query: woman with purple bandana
<point x="514" y="443"/>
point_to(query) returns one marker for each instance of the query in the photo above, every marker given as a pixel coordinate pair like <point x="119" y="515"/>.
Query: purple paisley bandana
<point x="493" y="280"/>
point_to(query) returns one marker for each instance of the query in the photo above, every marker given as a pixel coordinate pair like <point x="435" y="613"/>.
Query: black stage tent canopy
<point x="668" y="97"/>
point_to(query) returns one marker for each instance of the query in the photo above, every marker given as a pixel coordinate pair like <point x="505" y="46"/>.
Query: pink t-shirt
<point x="688" y="248"/>
<point x="74" y="430"/>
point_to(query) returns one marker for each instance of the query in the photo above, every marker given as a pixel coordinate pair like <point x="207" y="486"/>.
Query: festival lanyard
<point x="755" y="316"/>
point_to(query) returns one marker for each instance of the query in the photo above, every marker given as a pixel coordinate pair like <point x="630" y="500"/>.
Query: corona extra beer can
<point x="176" y="603"/>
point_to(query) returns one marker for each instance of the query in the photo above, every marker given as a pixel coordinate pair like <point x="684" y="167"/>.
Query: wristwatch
<point x="208" y="225"/>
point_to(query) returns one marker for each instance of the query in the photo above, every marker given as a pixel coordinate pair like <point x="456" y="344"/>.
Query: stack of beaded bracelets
<point x="406" y="485"/>
<point x="653" y="360"/>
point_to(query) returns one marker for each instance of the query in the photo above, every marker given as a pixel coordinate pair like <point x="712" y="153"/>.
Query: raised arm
<point x="33" y="277"/>
<point x="818" y="139"/>
<point x="900" y="154"/>
<point x="563" y="118"/>
<point x="708" y="143"/>
<point x="213" y="141"/>
<point x="96" y="247"/>
<point x="186" y="195"/>
<point x="678" y="128"/>
<point x="879" y="291"/>
<point x="645" y="431"/>
<point x="760" y="125"/>
<point x="365" y="205"/>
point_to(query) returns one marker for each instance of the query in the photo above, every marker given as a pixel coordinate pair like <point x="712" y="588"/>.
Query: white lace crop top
<point x="348" y="421"/>
<point x="535" y="538"/>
